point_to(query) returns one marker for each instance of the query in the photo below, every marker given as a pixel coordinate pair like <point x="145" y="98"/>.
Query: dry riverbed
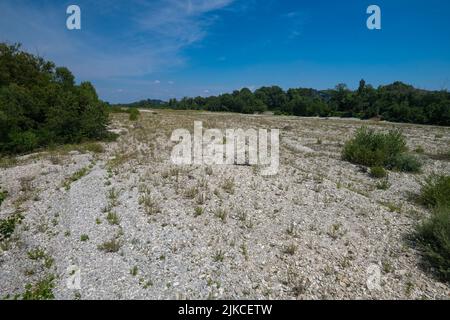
<point x="138" y="227"/>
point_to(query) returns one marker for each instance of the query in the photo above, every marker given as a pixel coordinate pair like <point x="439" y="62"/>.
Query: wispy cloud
<point x="154" y="34"/>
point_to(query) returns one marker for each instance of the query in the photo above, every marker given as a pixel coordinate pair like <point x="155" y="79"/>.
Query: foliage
<point x="41" y="105"/>
<point x="372" y="148"/>
<point x="41" y="290"/>
<point x="406" y="163"/>
<point x="378" y="172"/>
<point x="3" y="195"/>
<point x="134" y="114"/>
<point x="433" y="236"/>
<point x="396" y="102"/>
<point x="8" y="225"/>
<point x="436" y="191"/>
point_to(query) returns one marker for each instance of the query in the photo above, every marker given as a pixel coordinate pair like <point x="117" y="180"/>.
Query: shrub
<point x="433" y="236"/>
<point x="134" y="114"/>
<point x="370" y="148"/>
<point x="378" y="149"/>
<point x="378" y="172"/>
<point x="406" y="163"/>
<point x="436" y="191"/>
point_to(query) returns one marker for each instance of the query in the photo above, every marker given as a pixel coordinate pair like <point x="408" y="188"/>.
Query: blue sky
<point x="139" y="49"/>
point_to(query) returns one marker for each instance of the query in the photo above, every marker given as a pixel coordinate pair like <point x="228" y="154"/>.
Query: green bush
<point x="433" y="236"/>
<point x="378" y="172"/>
<point x="370" y="148"/>
<point x="406" y="163"/>
<point x="41" y="105"/>
<point x="134" y="114"/>
<point x="436" y="191"/>
<point x="379" y="149"/>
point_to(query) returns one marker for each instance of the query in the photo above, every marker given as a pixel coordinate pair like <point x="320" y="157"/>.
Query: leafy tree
<point x="41" y="105"/>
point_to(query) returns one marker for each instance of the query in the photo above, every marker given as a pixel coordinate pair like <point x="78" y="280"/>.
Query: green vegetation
<point x="378" y="172"/>
<point x="406" y="163"/>
<point x="113" y="218"/>
<point x="436" y="192"/>
<point x="75" y="177"/>
<point x="40" y="105"/>
<point x="433" y="234"/>
<point x="8" y="225"/>
<point x="396" y="102"/>
<point x="379" y="149"/>
<point x="3" y="195"/>
<point x="111" y="246"/>
<point x="134" y="114"/>
<point x="132" y="111"/>
<point x="41" y="290"/>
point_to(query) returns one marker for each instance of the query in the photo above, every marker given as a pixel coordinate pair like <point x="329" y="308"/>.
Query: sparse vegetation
<point x="150" y="204"/>
<point x="134" y="271"/>
<point x="222" y="214"/>
<point x="378" y="172"/>
<point x="290" y="249"/>
<point x="3" y="195"/>
<point x="219" y="256"/>
<point x="228" y="185"/>
<point x="383" y="184"/>
<point x="435" y="191"/>
<point x="198" y="211"/>
<point x="113" y="218"/>
<point x="111" y="246"/>
<point x="433" y="234"/>
<point x="75" y="177"/>
<point x="42" y="290"/>
<point x="134" y="114"/>
<point x="433" y="237"/>
<point x="8" y="225"/>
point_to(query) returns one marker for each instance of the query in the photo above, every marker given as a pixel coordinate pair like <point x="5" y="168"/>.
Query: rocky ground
<point x="137" y="226"/>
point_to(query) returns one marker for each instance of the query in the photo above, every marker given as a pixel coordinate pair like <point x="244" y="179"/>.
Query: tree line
<point x="40" y="104"/>
<point x="396" y="102"/>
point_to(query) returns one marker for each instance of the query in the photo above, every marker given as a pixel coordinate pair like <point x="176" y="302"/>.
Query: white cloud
<point x="151" y="40"/>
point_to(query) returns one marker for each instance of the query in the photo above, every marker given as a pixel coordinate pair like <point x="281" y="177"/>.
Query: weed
<point x="41" y="290"/>
<point x="222" y="214"/>
<point x="219" y="256"/>
<point x="113" y="218"/>
<point x="111" y="246"/>
<point x="75" y="177"/>
<point x="198" y="211"/>
<point x="228" y="185"/>
<point x="435" y="191"/>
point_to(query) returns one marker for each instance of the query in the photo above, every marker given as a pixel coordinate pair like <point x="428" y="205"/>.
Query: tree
<point x="41" y="105"/>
